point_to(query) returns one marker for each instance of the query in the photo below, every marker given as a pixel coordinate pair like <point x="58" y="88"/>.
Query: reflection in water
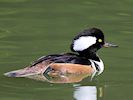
<point x="85" y="93"/>
<point x="69" y="78"/>
<point x="88" y="92"/>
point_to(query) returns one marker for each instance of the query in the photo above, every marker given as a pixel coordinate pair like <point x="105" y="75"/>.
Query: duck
<point x="83" y="58"/>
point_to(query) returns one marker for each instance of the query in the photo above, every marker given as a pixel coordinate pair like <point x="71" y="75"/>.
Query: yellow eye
<point x="99" y="40"/>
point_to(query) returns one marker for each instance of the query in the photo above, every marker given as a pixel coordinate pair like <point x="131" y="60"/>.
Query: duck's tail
<point x="21" y="73"/>
<point x="34" y="70"/>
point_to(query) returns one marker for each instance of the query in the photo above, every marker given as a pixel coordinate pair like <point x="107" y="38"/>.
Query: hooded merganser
<point x="83" y="61"/>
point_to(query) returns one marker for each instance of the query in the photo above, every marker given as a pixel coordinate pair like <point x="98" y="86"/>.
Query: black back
<point x="64" y="58"/>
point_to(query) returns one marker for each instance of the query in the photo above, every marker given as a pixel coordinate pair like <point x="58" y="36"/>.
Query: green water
<point x="33" y="28"/>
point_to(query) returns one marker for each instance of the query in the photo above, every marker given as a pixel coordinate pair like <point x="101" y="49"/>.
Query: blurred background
<point x="33" y="28"/>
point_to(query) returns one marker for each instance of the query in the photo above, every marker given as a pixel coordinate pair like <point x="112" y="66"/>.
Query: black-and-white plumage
<point x="83" y="59"/>
<point x="86" y="44"/>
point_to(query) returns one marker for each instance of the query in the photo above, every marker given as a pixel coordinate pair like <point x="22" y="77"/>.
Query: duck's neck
<point x="90" y="55"/>
<point x="96" y="62"/>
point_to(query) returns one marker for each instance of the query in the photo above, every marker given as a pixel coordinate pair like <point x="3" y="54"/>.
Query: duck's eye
<point x="99" y="40"/>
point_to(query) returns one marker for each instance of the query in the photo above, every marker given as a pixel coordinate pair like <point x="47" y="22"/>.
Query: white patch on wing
<point x="83" y="43"/>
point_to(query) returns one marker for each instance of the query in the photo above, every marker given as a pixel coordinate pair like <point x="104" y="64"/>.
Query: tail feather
<point x="21" y="73"/>
<point x="34" y="70"/>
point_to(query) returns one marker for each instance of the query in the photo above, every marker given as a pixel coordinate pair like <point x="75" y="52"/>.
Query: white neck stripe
<point x="100" y="65"/>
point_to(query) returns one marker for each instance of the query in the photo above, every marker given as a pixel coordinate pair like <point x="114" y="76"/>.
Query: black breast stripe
<point x="97" y="67"/>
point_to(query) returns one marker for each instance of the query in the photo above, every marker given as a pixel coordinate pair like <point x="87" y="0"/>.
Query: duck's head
<point x="89" y="41"/>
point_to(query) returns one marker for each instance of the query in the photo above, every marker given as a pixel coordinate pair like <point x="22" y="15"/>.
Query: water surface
<point x="33" y="28"/>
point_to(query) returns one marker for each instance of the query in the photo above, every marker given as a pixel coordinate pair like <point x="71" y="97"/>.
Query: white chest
<point x="97" y="65"/>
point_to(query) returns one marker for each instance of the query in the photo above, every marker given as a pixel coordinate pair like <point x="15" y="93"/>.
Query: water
<point x="33" y="28"/>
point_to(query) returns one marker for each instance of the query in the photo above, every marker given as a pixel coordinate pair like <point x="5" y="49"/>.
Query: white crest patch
<point x="83" y="43"/>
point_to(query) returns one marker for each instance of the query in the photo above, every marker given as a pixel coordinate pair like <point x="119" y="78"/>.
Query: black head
<point x="88" y="41"/>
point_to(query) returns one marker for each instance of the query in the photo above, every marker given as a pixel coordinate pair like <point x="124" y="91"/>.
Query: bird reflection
<point x="68" y="78"/>
<point x="81" y="92"/>
<point x="85" y="93"/>
<point x="91" y="92"/>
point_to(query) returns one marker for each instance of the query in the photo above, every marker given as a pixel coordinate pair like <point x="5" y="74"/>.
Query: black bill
<point x="107" y="44"/>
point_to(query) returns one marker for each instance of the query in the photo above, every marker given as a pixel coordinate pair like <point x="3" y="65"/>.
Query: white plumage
<point x="83" y="43"/>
